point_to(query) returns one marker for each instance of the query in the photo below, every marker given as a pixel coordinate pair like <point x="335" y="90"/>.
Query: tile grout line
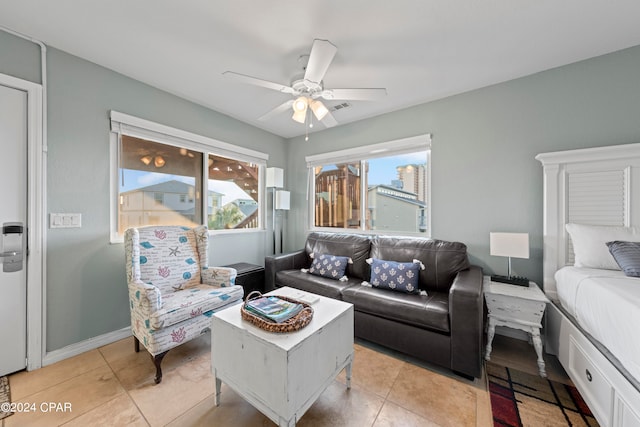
<point x="124" y="388"/>
<point x="386" y="398"/>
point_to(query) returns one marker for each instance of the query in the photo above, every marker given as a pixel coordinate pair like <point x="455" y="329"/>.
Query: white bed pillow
<point x="590" y="244"/>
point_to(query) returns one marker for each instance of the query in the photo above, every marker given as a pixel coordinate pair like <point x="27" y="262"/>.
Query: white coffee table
<point x="282" y="375"/>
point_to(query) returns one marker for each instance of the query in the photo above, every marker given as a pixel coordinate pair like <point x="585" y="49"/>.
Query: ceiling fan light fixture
<point x="300" y="116"/>
<point x="300" y="104"/>
<point x="146" y="160"/>
<point x="319" y="109"/>
<point x="159" y="161"/>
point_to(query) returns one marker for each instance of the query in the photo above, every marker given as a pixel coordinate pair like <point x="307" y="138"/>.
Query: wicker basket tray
<point x="293" y="324"/>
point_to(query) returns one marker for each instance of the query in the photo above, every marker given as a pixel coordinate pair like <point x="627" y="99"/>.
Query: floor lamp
<point x="275" y="179"/>
<point x="283" y="203"/>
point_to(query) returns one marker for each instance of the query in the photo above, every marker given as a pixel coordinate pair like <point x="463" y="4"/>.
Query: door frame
<point x="36" y="208"/>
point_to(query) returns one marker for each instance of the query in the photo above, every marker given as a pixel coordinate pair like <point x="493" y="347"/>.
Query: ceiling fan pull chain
<point x="306" y="128"/>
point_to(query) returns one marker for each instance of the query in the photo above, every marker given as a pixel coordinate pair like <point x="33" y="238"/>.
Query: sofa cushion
<point x="329" y="266"/>
<point x="314" y="284"/>
<point x="427" y="312"/>
<point x="443" y="260"/>
<point x="355" y="246"/>
<point x="395" y="276"/>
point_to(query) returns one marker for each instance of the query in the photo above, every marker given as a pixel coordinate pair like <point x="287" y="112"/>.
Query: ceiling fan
<point x="308" y="88"/>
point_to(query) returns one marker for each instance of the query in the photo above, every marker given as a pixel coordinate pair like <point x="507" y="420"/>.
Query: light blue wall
<point x="484" y="174"/>
<point x="86" y="293"/>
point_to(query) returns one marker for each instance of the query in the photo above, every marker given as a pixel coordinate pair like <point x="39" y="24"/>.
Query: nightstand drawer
<point x="595" y="389"/>
<point x="515" y="308"/>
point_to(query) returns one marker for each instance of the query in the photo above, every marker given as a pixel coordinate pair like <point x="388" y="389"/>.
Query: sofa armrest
<point x="274" y="263"/>
<point x="220" y="277"/>
<point x="466" y="317"/>
<point x="144" y="298"/>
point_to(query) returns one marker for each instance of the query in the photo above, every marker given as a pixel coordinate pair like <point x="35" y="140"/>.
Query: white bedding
<point x="606" y="303"/>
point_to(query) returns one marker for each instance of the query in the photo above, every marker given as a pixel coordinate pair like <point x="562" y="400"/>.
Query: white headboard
<point x="589" y="186"/>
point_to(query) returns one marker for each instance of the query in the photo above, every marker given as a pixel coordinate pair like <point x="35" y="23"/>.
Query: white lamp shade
<point x="319" y="110"/>
<point x="300" y="116"/>
<point x="275" y="177"/>
<point x="515" y="245"/>
<point x="300" y="104"/>
<point x="283" y="200"/>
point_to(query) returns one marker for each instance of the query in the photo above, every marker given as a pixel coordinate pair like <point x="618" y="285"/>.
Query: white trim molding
<point x="372" y="151"/>
<point x="146" y="129"/>
<point x="363" y="153"/>
<point x="36" y="217"/>
<point x="86" y="345"/>
<point x="124" y="124"/>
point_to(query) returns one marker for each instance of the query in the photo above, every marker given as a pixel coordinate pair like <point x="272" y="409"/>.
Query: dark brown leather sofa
<point x="445" y="327"/>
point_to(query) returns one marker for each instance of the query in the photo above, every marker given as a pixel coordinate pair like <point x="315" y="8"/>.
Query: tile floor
<point x="113" y="385"/>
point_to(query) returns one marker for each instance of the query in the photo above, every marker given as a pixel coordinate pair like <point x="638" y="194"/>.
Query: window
<point x="161" y="173"/>
<point x="233" y="194"/>
<point x="152" y="178"/>
<point x="381" y="187"/>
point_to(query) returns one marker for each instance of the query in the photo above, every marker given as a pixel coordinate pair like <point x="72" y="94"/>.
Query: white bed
<point x="606" y="304"/>
<point x="593" y="323"/>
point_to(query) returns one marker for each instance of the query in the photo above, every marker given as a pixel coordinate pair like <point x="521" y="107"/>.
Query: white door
<point x="13" y="221"/>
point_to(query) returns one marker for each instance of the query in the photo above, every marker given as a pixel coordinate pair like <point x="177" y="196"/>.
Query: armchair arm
<point x="466" y="317"/>
<point x="144" y="298"/>
<point x="274" y="263"/>
<point x="220" y="277"/>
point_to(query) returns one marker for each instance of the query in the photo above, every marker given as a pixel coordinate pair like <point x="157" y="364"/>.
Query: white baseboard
<point x="84" y="346"/>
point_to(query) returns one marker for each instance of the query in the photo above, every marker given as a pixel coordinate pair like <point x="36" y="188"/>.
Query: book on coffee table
<point x="273" y="309"/>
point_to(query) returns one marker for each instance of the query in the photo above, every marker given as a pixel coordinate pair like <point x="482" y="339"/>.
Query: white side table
<point x="516" y="307"/>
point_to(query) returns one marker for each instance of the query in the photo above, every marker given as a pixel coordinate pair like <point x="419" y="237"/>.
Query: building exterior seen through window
<point x="394" y="196"/>
<point x="161" y="184"/>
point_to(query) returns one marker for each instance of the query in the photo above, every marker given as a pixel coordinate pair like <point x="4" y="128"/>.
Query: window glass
<point x="153" y="179"/>
<point x="232" y="201"/>
<point x="397" y="193"/>
<point x="337" y="195"/>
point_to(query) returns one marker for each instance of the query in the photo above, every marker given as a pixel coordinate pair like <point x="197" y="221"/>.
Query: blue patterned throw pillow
<point x="331" y="266"/>
<point x="396" y="276"/>
<point x="627" y="255"/>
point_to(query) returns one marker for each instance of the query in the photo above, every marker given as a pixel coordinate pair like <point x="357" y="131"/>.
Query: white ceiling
<point x="420" y="50"/>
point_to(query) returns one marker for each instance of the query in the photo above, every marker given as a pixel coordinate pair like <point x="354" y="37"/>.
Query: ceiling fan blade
<point x="329" y="121"/>
<point x="365" y="94"/>
<point x="259" y="82"/>
<point x="279" y="109"/>
<point x="322" y="53"/>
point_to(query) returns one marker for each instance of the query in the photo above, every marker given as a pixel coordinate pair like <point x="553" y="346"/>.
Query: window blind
<point x="140" y="128"/>
<point x="373" y="151"/>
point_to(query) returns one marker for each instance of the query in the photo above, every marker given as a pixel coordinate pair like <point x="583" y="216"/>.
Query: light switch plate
<point x="65" y="220"/>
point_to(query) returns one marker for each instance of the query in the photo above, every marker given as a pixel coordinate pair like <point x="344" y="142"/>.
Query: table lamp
<point x="511" y="245"/>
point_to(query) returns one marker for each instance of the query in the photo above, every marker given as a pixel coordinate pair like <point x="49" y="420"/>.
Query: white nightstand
<point x="516" y="307"/>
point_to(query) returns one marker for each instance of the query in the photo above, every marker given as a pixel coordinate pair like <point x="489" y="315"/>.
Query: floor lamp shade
<point x="514" y="245"/>
<point x="283" y="200"/>
<point x="275" y="178"/>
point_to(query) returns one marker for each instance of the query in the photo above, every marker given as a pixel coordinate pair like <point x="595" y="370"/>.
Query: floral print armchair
<point x="172" y="291"/>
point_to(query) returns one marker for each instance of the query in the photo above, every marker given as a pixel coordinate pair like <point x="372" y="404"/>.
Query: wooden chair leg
<point x="157" y="360"/>
<point x="136" y="344"/>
